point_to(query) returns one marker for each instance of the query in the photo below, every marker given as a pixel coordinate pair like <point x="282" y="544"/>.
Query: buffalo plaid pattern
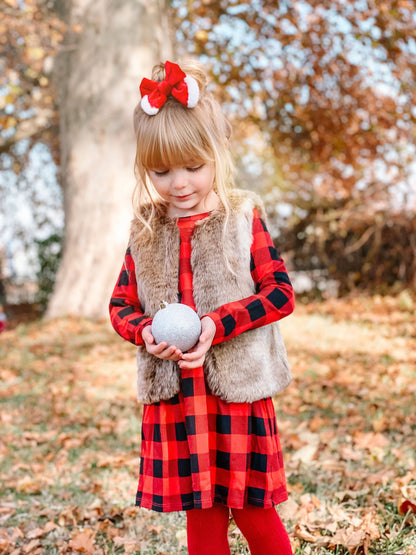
<point x="197" y="449"/>
<point x="273" y="300"/>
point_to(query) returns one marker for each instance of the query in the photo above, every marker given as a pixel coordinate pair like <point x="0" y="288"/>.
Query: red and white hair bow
<point x="176" y="83"/>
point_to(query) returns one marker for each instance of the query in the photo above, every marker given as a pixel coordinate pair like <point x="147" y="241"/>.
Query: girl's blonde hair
<point x="178" y="136"/>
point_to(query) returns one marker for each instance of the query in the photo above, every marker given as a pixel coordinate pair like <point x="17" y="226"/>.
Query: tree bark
<point x="110" y="45"/>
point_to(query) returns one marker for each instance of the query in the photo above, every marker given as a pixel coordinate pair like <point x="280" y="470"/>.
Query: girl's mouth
<point x="183" y="197"/>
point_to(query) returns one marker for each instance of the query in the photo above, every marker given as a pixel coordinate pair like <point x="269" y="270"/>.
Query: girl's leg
<point x="263" y="530"/>
<point x="207" y="530"/>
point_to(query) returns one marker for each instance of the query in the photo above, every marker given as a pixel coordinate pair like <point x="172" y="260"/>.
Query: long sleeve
<point x="126" y="314"/>
<point x="274" y="298"/>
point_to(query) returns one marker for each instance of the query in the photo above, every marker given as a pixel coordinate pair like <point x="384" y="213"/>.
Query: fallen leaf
<point x="295" y="441"/>
<point x="309" y="499"/>
<point x="112" y="461"/>
<point x="303" y="534"/>
<point x="288" y="509"/>
<point x="305" y="454"/>
<point x="28" y="485"/>
<point x="155" y="530"/>
<point x="316" y="423"/>
<point x="369" y="440"/>
<point x="49" y="526"/>
<point x="407" y="501"/>
<point x="381" y="424"/>
<point x="349" y="538"/>
<point x="35" y="533"/>
<point x="348" y="454"/>
<point x="83" y="541"/>
<point x="371" y="527"/>
<point x="405" y="506"/>
<point x="127" y="542"/>
<point x="30" y="546"/>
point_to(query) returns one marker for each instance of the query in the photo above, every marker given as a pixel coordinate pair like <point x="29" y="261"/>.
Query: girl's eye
<point x="160" y="172"/>
<point x="195" y="168"/>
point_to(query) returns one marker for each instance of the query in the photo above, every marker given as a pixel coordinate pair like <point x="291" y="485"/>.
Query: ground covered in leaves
<point x="69" y="443"/>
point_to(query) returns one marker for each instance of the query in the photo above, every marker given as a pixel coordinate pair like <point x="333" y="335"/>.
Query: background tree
<point x="30" y="200"/>
<point x="108" y="47"/>
<point x="78" y="106"/>
<point x="29" y="38"/>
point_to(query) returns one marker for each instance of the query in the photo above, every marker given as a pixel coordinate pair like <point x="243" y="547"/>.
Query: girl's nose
<point x="179" y="179"/>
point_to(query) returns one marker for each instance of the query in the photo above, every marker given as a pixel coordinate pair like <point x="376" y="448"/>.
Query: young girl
<point x="209" y="435"/>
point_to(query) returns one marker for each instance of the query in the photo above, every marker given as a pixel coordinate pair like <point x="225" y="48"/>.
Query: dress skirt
<point x="197" y="449"/>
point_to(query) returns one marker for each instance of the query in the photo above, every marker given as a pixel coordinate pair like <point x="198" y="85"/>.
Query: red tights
<point x="207" y="530"/>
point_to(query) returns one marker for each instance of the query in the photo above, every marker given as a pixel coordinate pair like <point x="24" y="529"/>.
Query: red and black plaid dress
<point x="197" y="449"/>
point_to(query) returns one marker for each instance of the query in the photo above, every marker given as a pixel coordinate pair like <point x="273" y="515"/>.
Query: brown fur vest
<point x="247" y="368"/>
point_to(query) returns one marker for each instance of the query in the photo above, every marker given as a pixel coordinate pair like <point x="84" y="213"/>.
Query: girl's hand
<point x="160" y="350"/>
<point x="195" y="357"/>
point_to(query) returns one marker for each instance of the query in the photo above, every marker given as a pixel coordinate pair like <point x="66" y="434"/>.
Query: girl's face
<point x="187" y="190"/>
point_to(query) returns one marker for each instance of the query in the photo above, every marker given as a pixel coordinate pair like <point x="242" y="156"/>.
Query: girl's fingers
<point x="171" y="353"/>
<point x="195" y="358"/>
<point x="174" y="354"/>
<point x="157" y="349"/>
<point x="198" y="351"/>
<point x="162" y="350"/>
<point x="190" y="364"/>
<point x="194" y="355"/>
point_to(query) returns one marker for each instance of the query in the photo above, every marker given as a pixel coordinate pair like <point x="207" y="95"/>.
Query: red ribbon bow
<point x="176" y="83"/>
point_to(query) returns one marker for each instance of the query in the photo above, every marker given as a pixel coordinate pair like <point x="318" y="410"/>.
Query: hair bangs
<point x="173" y="138"/>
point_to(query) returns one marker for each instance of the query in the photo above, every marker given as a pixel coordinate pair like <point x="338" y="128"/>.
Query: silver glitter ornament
<point x="177" y="324"/>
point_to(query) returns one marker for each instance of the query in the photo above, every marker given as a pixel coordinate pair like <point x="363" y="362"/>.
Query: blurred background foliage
<point x="331" y="87"/>
<point x="322" y="101"/>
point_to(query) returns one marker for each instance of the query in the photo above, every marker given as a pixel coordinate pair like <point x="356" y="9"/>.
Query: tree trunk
<point x="110" y="45"/>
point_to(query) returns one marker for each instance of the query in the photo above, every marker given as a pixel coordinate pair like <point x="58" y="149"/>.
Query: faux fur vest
<point x="247" y="368"/>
